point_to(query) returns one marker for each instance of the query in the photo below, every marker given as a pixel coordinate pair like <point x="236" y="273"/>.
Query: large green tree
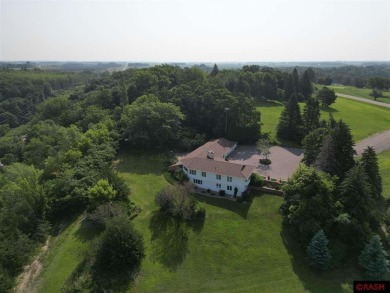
<point x="369" y="162"/>
<point x="374" y="259"/>
<point x="305" y="85"/>
<point x="311" y="115"/>
<point x="326" y="96"/>
<point x="312" y="144"/>
<point x="149" y="123"/>
<point x="290" y="121"/>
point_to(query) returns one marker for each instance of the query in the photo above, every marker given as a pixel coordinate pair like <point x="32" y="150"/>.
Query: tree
<point x="101" y="192"/>
<point x="336" y="156"/>
<point x="215" y="70"/>
<point x="289" y="87"/>
<point x="295" y="76"/>
<point x="120" y="250"/>
<point x="312" y="144"/>
<point x="369" y="162"/>
<point x="149" y="123"/>
<point x="317" y="251"/>
<point x="290" y="121"/>
<point x="305" y="85"/>
<point x="376" y="93"/>
<point x="263" y="147"/>
<point x="326" y="96"/>
<point x="373" y="259"/>
<point x="311" y="115"/>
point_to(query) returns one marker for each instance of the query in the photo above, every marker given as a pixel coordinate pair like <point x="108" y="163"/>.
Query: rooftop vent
<point x="210" y="154"/>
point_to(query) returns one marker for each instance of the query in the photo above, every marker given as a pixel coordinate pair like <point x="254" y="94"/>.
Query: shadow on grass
<point x="268" y="103"/>
<point x="88" y="231"/>
<point x="336" y="281"/>
<point x="329" y="110"/>
<point x="169" y="240"/>
<point x="141" y="162"/>
<point x="239" y="208"/>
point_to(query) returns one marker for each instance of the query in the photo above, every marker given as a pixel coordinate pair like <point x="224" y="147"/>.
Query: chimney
<point x="210" y="154"/>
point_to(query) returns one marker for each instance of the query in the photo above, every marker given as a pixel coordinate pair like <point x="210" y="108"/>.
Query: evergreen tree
<point x="317" y="251"/>
<point x="295" y="76"/>
<point x="290" y="121"/>
<point x="326" y="96"/>
<point x="326" y="160"/>
<point x="215" y="70"/>
<point x="289" y="87"/>
<point x="305" y="85"/>
<point x="355" y="195"/>
<point x="311" y="115"/>
<point x="373" y="259"/>
<point x="312" y="144"/>
<point x="370" y="164"/>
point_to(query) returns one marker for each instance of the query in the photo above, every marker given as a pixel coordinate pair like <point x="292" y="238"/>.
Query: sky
<point x="195" y="30"/>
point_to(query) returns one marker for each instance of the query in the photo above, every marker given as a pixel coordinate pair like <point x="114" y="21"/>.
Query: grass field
<point x="384" y="167"/>
<point x="66" y="251"/>
<point x="358" y="92"/>
<point x="363" y="119"/>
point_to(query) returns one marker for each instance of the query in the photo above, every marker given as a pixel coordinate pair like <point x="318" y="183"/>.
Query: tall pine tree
<point x="311" y="115"/>
<point x="369" y="161"/>
<point x="295" y="76"/>
<point x="317" y="251"/>
<point x="373" y="259"/>
<point x="215" y="70"/>
<point x="290" y="121"/>
<point x="289" y="87"/>
<point x="305" y="85"/>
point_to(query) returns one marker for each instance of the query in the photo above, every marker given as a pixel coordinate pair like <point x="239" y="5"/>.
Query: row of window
<point x="200" y="182"/>
<point x="193" y="172"/>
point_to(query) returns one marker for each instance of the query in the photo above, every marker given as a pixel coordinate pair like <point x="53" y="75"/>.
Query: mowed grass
<point x="363" y="119"/>
<point x="359" y="92"/>
<point x="384" y="167"/>
<point x="238" y="248"/>
<point x="66" y="251"/>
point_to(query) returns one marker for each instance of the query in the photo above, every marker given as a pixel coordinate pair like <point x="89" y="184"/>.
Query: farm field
<point x="363" y="119"/>
<point x="359" y="92"/>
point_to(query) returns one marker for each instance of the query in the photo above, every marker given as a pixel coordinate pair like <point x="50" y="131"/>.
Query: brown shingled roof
<point x="197" y="160"/>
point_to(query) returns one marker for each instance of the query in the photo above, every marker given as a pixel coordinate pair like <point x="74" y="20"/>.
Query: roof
<point x="198" y="160"/>
<point x="219" y="146"/>
<point x="219" y="167"/>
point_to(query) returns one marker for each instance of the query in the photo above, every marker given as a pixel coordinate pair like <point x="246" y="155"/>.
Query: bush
<point x="222" y="192"/>
<point x="256" y="180"/>
<point x="120" y="250"/>
<point x="103" y="213"/>
<point x="201" y="213"/>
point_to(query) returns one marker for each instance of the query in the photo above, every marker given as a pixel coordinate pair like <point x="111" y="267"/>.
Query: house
<point x="208" y="168"/>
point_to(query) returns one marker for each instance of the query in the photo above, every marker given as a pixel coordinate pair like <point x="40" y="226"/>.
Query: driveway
<point x="364" y="100"/>
<point x="284" y="160"/>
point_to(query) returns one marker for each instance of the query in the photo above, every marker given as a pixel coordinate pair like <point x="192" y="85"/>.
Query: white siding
<point x="210" y="182"/>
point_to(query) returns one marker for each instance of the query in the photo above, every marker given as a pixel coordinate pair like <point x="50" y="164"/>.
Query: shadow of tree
<point x="269" y="103"/>
<point x="328" y="110"/>
<point x="88" y="231"/>
<point x="239" y="208"/>
<point x="169" y="240"/>
<point x="336" y="280"/>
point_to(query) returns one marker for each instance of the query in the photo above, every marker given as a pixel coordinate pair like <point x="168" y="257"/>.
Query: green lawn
<point x="238" y="248"/>
<point x="66" y="251"/>
<point x="384" y="167"/>
<point x="358" y="92"/>
<point x="363" y="119"/>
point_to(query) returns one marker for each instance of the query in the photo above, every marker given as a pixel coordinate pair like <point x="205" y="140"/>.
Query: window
<point x="197" y="181"/>
<point x="218" y="177"/>
<point x="203" y="174"/>
<point x="218" y="185"/>
<point x="185" y="168"/>
<point x="229" y="179"/>
<point x="229" y="188"/>
<point x="193" y="172"/>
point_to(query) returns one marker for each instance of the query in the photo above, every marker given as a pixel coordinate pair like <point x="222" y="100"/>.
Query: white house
<point x="208" y="168"/>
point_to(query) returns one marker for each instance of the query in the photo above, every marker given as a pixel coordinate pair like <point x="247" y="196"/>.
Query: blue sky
<point x="195" y="30"/>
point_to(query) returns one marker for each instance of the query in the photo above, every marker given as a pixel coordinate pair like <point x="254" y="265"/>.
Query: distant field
<point x="384" y="167"/>
<point x="359" y="92"/>
<point x="363" y="119"/>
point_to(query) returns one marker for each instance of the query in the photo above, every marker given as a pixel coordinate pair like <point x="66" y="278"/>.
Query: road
<point x="364" y="100"/>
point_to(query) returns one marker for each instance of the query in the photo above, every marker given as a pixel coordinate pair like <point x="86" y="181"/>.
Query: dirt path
<point x="364" y="100"/>
<point x="25" y="283"/>
<point x="379" y="141"/>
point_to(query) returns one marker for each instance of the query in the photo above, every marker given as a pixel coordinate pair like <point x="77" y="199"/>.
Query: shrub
<point x="265" y="161"/>
<point x="222" y="192"/>
<point x="256" y="180"/>
<point x="201" y="213"/>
